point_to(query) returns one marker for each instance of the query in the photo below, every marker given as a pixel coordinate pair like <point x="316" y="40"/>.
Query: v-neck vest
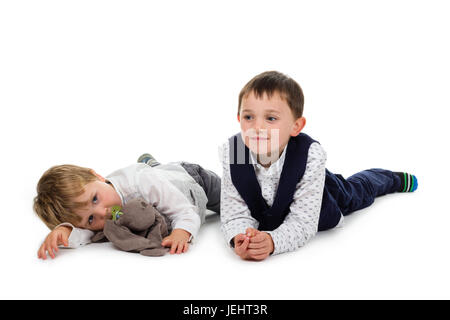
<point x="244" y="179"/>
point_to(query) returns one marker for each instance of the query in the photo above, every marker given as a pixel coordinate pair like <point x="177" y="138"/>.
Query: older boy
<point x="75" y="201"/>
<point x="276" y="191"/>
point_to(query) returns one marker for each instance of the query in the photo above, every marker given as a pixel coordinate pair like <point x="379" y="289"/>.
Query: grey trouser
<point x="209" y="181"/>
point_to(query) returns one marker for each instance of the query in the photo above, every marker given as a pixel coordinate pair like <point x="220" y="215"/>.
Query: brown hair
<point x="270" y="82"/>
<point x="56" y="191"/>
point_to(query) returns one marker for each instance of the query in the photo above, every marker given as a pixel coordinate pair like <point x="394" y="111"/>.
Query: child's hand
<point x="241" y="242"/>
<point x="178" y="241"/>
<point x="253" y="245"/>
<point x="261" y="244"/>
<point x="59" y="236"/>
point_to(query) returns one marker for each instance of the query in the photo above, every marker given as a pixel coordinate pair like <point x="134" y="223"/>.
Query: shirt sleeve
<point x="78" y="237"/>
<point x="170" y="201"/>
<point x="302" y="222"/>
<point x="235" y="216"/>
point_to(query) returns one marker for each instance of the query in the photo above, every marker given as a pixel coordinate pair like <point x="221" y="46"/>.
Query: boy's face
<point x="267" y="125"/>
<point x="101" y="197"/>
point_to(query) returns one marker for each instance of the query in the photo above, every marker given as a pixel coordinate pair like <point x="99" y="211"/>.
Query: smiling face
<point x="100" y="197"/>
<point x="267" y="123"/>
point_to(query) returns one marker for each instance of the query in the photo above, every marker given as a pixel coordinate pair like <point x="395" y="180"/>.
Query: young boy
<point x="276" y="191"/>
<point x="75" y="201"/>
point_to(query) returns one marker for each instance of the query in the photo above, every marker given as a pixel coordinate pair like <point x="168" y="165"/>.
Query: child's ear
<point x="98" y="176"/>
<point x="239" y="117"/>
<point x="298" y="126"/>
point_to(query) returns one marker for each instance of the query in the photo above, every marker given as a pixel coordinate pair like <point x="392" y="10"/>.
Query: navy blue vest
<point x="244" y="179"/>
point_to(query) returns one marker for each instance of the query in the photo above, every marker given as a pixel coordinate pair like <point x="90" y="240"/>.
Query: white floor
<point x="97" y="83"/>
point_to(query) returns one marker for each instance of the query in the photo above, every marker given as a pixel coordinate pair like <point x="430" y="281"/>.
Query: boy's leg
<point x="360" y="190"/>
<point x="209" y="181"/>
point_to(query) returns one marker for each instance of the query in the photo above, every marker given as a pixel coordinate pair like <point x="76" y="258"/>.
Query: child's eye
<point x="271" y="118"/>
<point x="94" y="199"/>
<point x="248" y="117"/>
<point x="90" y="219"/>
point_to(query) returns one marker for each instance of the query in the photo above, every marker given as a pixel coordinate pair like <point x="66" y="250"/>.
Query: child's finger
<point x="166" y="242"/>
<point x="180" y="248"/>
<point x="238" y="239"/>
<point x="40" y="253"/>
<point x="40" y="256"/>
<point x="54" y="243"/>
<point x="54" y="249"/>
<point x="240" y="246"/>
<point x="244" y="244"/>
<point x="51" y="253"/>
<point x="257" y="245"/>
<point x="44" y="252"/>
<point x="260" y="237"/>
<point x="173" y="248"/>
<point x="258" y="252"/>
<point x="241" y="238"/>
<point x="251" y="232"/>
<point x="186" y="247"/>
<point x="63" y="240"/>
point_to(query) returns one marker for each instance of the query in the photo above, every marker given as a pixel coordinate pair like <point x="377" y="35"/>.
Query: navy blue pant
<point x="357" y="192"/>
<point x="340" y="195"/>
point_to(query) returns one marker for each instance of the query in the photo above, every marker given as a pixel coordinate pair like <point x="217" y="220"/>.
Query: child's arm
<point x="169" y="201"/>
<point x="64" y="234"/>
<point x="301" y="224"/>
<point x="235" y="216"/>
<point x="78" y="237"/>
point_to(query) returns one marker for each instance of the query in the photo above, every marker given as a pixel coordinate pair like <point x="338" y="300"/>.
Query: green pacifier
<point x="116" y="213"/>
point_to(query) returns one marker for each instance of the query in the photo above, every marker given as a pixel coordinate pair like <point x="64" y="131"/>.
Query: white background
<point x="97" y="83"/>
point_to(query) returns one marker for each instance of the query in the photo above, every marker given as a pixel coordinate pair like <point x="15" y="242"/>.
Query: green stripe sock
<point x="408" y="182"/>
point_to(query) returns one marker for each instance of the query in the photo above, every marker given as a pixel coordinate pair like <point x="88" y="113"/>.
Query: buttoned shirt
<point x="302" y="222"/>
<point x="152" y="184"/>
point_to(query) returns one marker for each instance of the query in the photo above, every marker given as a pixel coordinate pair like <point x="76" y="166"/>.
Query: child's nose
<point x="107" y="213"/>
<point x="259" y="125"/>
<point x="104" y="213"/>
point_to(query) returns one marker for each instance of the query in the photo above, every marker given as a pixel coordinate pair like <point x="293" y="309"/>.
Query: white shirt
<point x="300" y="225"/>
<point x="153" y="185"/>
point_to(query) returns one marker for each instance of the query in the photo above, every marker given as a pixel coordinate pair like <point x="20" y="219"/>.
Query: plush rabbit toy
<point x="137" y="227"/>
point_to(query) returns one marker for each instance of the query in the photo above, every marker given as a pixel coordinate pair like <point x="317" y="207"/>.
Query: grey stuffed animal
<point x="140" y="228"/>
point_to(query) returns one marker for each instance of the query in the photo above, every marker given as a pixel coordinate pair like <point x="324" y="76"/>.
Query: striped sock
<point x="148" y="159"/>
<point x="408" y="182"/>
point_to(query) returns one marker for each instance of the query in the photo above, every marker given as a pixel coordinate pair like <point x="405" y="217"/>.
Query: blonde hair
<point x="56" y="191"/>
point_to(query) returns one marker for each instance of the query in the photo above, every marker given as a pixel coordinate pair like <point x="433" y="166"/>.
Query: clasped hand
<point x="253" y="245"/>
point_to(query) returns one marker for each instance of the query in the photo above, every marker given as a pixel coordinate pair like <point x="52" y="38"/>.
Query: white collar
<point x="275" y="167"/>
